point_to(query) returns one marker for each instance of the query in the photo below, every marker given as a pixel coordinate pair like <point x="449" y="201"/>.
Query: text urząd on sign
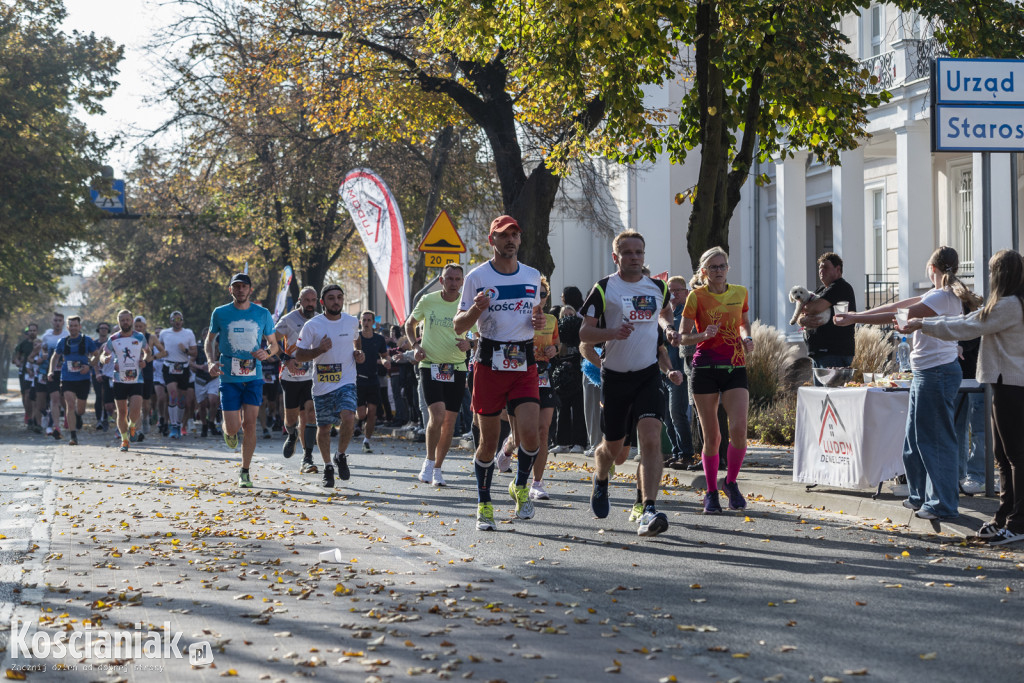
<point x="978" y="105"/>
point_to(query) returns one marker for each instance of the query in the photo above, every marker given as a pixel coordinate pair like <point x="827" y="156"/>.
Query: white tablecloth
<point x="849" y="437"/>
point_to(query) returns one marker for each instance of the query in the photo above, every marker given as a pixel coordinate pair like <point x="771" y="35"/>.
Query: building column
<point x="848" y="226"/>
<point x="1002" y="225"/>
<point x="791" y="234"/>
<point x="915" y="205"/>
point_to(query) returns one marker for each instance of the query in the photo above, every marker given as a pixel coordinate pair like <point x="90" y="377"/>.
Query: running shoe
<point x="636" y="512"/>
<point x="266" y="433"/>
<point x="599" y="503"/>
<point x="73" y="441"/>
<point x="485" y="517"/>
<point x="214" y="430"/>
<point x="307" y="466"/>
<point x="504" y="461"/>
<point x="1004" y="536"/>
<point x="341" y="465"/>
<point x="328" y="479"/>
<point x="175" y="432"/>
<point x="576" y="449"/>
<point x="438" y="478"/>
<point x="124" y="445"/>
<point x="521" y="495"/>
<point x="711" y="504"/>
<point x="367" y="448"/>
<point x="427" y="471"/>
<point x="537" y="491"/>
<point x="141" y="436"/>
<point x="205" y="431"/>
<point x="56" y="434"/>
<point x="244" y="481"/>
<point x="289" y="444"/>
<point x="555" y="450"/>
<point x="230" y="440"/>
<point x="736" y="499"/>
<point x="132" y="436"/>
<point x="652" y="523"/>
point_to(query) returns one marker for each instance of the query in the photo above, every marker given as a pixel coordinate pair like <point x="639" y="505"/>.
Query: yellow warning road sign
<point x="442" y="237"/>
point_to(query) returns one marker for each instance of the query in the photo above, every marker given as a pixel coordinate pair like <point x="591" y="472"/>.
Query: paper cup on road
<point x="841" y="306"/>
<point x="902" y="316"/>
<point x="332" y="555"/>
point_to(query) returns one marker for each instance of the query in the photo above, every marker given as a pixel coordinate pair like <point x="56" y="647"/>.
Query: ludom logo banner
<point x="375" y="212"/>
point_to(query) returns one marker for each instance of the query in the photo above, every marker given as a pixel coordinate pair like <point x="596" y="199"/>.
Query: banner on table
<point x="849" y="437"/>
<point x="375" y="212"/>
<point x="283" y="304"/>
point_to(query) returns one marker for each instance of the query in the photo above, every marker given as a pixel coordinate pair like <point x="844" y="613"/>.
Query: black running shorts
<point x="450" y="393"/>
<point x="297" y="394"/>
<point x="627" y="396"/>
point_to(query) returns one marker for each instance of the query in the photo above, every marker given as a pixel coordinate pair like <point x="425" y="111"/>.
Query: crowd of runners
<point x="484" y="333"/>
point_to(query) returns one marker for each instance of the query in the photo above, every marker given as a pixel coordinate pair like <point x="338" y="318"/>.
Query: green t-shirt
<point x="439" y="336"/>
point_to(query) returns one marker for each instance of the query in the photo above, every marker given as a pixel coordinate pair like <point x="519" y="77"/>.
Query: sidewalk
<point x="767" y="475"/>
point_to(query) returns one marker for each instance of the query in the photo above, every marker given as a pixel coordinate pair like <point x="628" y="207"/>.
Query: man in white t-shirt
<point x="50" y="340"/>
<point x="180" y="344"/>
<point x="624" y="312"/>
<point x="331" y="339"/>
<point x="502" y="297"/>
<point x="297" y="381"/>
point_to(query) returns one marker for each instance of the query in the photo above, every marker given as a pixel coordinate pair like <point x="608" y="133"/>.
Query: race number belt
<point x="442" y="372"/>
<point x="243" y="367"/>
<point x="507" y="356"/>
<point x="179" y="368"/>
<point x="328" y="373"/>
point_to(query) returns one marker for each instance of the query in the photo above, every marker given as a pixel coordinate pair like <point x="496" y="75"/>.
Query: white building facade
<point x="884" y="210"/>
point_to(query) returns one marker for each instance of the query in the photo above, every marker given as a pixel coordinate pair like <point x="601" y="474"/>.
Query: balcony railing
<point x="910" y="61"/>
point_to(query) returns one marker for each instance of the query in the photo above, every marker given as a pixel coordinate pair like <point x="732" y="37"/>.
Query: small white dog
<point x="801" y="296"/>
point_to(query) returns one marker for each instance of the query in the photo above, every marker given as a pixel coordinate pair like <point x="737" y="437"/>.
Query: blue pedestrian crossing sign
<point x="112" y="201"/>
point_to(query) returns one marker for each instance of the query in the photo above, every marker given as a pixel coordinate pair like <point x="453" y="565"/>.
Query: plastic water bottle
<point x="903" y="355"/>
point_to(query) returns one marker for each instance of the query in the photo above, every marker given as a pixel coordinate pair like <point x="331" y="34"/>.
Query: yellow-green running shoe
<point x="521" y="495"/>
<point x="485" y="517"/>
<point x="636" y="512"/>
<point x="244" y="481"/>
<point x="230" y="440"/>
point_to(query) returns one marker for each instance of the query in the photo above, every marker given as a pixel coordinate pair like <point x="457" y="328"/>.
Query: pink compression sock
<point x="734" y="460"/>
<point x="710" y="463"/>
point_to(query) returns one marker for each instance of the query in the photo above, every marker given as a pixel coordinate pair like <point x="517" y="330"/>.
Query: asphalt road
<point x="778" y="592"/>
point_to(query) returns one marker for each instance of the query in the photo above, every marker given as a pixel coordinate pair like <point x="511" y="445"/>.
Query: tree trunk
<point x="702" y="231"/>
<point x="532" y="208"/>
<point x="438" y="163"/>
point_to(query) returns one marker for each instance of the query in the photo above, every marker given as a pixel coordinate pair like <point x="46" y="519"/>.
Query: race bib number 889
<point x="639" y="309"/>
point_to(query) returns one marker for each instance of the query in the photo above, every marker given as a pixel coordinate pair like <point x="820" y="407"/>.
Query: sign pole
<point x="1014" y="204"/>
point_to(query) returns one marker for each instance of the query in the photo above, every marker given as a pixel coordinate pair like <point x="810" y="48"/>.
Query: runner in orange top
<point x="715" y="319"/>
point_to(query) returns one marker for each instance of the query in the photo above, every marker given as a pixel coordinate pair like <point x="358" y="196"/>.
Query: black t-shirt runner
<point x="366" y="372"/>
<point x="830" y="339"/>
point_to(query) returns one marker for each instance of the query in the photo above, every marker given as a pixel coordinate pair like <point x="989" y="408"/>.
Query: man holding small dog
<point x="828" y="346"/>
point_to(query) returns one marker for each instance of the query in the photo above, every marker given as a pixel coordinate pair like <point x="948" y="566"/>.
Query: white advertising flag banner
<point x="282" y="292"/>
<point x="375" y="212"/>
<point x="849" y="437"/>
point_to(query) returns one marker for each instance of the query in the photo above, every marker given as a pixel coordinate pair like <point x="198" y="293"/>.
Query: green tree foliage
<point x="258" y="165"/>
<point x="773" y="77"/>
<point x="47" y="157"/>
<point x="535" y="78"/>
